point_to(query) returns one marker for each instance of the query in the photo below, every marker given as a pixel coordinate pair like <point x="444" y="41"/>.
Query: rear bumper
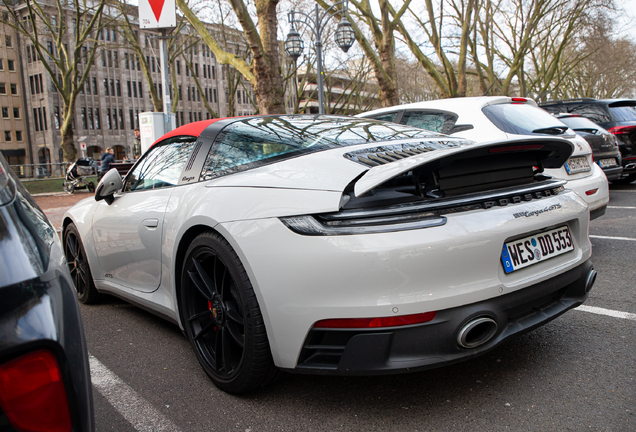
<point x="613" y="173"/>
<point x="595" y="185"/>
<point x="434" y="344"/>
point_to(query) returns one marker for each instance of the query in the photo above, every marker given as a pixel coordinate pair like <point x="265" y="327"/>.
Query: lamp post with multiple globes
<point x="317" y="21"/>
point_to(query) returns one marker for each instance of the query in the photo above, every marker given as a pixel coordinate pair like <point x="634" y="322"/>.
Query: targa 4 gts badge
<point x="537" y="212"/>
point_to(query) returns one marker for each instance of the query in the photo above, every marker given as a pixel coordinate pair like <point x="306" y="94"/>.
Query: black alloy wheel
<point x="222" y="318"/>
<point x="78" y="266"/>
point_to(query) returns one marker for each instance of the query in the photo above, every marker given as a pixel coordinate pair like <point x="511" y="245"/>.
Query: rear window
<point x="596" y="113"/>
<point x="257" y="141"/>
<point x="579" y="123"/>
<point x="625" y="113"/>
<point x="441" y="122"/>
<point x="522" y="119"/>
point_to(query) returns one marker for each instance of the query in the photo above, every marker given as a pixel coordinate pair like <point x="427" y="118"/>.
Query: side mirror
<point x="108" y="185"/>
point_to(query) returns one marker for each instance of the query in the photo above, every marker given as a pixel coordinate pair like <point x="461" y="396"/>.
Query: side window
<point x="161" y="166"/>
<point x="596" y="113"/>
<point x="390" y="117"/>
<point x="436" y="121"/>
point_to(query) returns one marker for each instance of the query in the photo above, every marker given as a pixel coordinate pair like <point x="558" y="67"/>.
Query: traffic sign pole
<point x="165" y="79"/>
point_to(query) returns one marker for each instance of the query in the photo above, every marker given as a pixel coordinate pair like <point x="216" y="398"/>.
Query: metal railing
<point x="40" y="171"/>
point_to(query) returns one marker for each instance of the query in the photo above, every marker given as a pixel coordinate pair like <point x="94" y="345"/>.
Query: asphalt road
<point x="576" y="373"/>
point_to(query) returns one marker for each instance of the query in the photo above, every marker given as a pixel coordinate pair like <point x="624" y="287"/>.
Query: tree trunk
<point x="266" y="66"/>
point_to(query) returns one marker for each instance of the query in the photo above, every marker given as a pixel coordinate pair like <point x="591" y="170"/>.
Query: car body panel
<point x="128" y="238"/>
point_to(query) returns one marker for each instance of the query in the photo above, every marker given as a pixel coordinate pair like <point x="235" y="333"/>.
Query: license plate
<point x="577" y="164"/>
<point x="534" y="249"/>
<point x="606" y="163"/>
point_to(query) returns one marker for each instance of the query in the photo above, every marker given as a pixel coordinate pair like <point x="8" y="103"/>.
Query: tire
<point x="78" y="266"/>
<point x="222" y="318"/>
<point x="91" y="187"/>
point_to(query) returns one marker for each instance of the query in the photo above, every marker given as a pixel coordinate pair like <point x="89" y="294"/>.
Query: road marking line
<point x="621" y="207"/>
<point x="608" y="312"/>
<point x="136" y="410"/>
<point x="613" y="238"/>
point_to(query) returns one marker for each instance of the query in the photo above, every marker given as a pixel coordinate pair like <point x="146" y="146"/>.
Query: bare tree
<point x="72" y="27"/>
<point x="264" y="69"/>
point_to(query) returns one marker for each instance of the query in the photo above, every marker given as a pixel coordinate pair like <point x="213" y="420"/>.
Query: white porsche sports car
<point x="328" y="244"/>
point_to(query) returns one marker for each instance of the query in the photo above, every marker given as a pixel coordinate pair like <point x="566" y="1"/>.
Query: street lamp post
<point x="345" y="37"/>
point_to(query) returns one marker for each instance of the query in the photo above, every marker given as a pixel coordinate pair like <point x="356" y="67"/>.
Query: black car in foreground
<point x="604" y="147"/>
<point x="45" y="380"/>
<point x="618" y="116"/>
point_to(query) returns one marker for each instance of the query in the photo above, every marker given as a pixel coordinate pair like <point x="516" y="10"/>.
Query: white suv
<point x="490" y="118"/>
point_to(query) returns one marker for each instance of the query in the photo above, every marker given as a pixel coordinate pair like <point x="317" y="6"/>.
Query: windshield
<point x="523" y="119"/>
<point x="254" y="141"/>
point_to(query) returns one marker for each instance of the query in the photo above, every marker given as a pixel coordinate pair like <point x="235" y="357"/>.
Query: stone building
<point x="116" y="91"/>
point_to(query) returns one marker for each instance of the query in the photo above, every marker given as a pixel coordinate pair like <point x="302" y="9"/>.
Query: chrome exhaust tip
<point x="476" y="332"/>
<point x="589" y="282"/>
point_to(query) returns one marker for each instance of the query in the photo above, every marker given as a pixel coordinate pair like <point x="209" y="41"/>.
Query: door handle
<point x="150" y="223"/>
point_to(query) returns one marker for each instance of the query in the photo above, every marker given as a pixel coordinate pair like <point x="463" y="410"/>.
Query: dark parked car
<point x="618" y="116"/>
<point x="45" y="380"/>
<point x="604" y="145"/>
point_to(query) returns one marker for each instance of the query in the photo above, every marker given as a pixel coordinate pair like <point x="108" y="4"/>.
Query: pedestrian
<point x="107" y="158"/>
<point x="136" y="149"/>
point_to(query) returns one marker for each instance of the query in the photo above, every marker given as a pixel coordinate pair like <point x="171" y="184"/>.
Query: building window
<point x="110" y="58"/>
<point x="118" y="87"/>
<point x="7" y="136"/>
<point x="16" y="112"/>
<point x="18" y="135"/>
<point x="115" y="59"/>
<point x="106" y="86"/>
<point x="178" y="67"/>
<point x="112" y="87"/>
<point x="126" y="64"/>
<point x="98" y="124"/>
<point x="14" y="89"/>
<point x="181" y="115"/>
<point x="140" y="89"/>
<point x="121" y="119"/>
<point x="205" y="74"/>
<point x="136" y="118"/>
<point x="211" y="76"/>
<point x="1" y="64"/>
<point x="8" y="43"/>
<point x="129" y="88"/>
<point x="214" y="94"/>
<point x="5" y="112"/>
<point x="94" y="81"/>
<point x="46" y="126"/>
<point x="91" y="121"/>
<point x="115" y="119"/>
<point x="180" y="94"/>
<point x="3" y="88"/>
<point x="188" y="91"/>
<point x="56" y="116"/>
<point x="196" y="70"/>
<point x="84" y="119"/>
<point x="108" y="124"/>
<point x="35" y="118"/>
<point x="131" y="117"/>
<point x="103" y="58"/>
